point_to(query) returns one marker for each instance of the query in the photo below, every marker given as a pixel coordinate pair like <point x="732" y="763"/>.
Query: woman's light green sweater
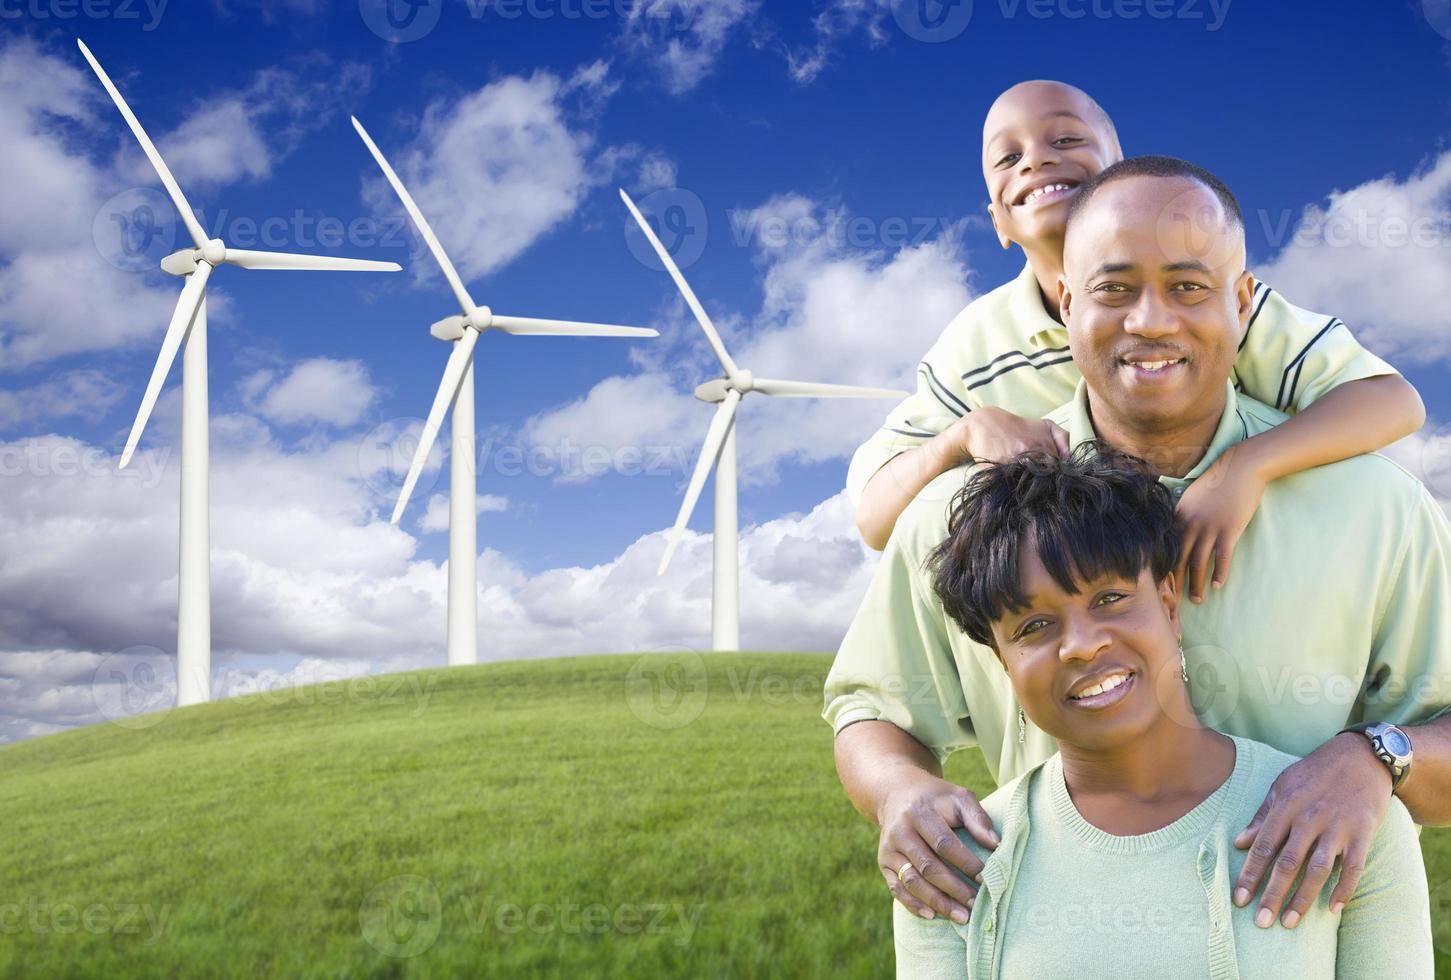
<point x="1062" y="898"/>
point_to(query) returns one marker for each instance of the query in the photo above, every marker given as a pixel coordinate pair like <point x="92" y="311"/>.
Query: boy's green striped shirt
<point x="1004" y="350"/>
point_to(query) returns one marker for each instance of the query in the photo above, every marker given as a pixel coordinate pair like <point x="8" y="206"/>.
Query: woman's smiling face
<point x="1086" y="666"/>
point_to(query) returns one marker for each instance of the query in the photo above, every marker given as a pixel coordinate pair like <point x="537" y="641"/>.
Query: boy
<point x="1003" y="361"/>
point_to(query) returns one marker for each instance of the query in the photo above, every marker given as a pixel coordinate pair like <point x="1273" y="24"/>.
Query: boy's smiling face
<point x="1040" y="141"/>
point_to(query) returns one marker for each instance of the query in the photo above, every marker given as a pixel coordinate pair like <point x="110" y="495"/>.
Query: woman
<point x="1117" y="853"/>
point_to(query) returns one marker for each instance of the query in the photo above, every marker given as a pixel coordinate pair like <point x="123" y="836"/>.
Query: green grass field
<point x="603" y="816"/>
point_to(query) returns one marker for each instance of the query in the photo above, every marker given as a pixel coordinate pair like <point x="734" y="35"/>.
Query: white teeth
<point x="1039" y="191"/>
<point x="1102" y="686"/>
<point x="1154" y="365"/>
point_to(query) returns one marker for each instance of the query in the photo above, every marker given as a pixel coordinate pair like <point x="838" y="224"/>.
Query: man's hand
<point x="917" y="822"/>
<point x="1212" y="514"/>
<point x="992" y="435"/>
<point x="1327" y="805"/>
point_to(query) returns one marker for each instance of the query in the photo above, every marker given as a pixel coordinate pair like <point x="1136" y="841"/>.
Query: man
<point x="1339" y="612"/>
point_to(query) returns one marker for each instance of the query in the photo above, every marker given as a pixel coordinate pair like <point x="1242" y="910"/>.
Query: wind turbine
<point x="457" y="389"/>
<point x="189" y="324"/>
<point x="719" y="449"/>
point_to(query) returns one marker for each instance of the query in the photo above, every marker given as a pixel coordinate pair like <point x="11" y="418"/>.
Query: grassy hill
<point x="603" y="816"/>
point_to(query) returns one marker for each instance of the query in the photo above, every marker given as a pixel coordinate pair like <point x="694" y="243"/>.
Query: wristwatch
<point x="1390" y="745"/>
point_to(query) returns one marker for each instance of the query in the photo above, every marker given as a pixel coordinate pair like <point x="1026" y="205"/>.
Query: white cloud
<point x="1375" y="256"/>
<point x="830" y="312"/>
<point x="305" y="567"/>
<point x="61" y="289"/>
<point x="642" y="413"/>
<point x="834" y="22"/>
<point x="319" y="390"/>
<point x="84" y="394"/>
<point x="217" y="145"/>
<point x="435" y="515"/>
<point x="495" y="170"/>
<point x="683" y="39"/>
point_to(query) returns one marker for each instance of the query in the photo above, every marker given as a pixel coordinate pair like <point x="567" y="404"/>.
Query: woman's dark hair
<point x="1096" y="512"/>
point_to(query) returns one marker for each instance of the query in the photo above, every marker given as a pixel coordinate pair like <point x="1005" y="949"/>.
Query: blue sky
<point x="749" y="115"/>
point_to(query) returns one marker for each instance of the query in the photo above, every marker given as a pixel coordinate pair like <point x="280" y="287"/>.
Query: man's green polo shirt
<point x="1004" y="350"/>
<point x="1337" y="609"/>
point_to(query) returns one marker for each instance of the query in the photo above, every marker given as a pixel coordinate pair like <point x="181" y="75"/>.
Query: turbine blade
<point x="710" y="449"/>
<point x="458" y="361"/>
<point x="186" y="307"/>
<point x="567" y="328"/>
<point x="188" y="217"/>
<point x="465" y="302"/>
<point x="684" y="287"/>
<point x="811" y="389"/>
<point x="248" y="259"/>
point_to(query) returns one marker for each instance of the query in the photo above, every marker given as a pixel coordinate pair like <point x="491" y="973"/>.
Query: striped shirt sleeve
<point x="1290" y="357"/>
<point x="940" y="399"/>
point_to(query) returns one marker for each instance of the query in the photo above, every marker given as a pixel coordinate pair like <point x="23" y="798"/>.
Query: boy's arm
<point x="988" y="434"/>
<point x="1294" y="360"/>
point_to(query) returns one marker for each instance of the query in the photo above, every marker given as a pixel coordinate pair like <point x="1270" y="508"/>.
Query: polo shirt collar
<point x="1027" y="302"/>
<point x="1231" y="430"/>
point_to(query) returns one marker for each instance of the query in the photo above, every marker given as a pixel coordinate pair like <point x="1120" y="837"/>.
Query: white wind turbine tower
<point x="719" y="449"/>
<point x="189" y="324"/>
<point x="457" y="388"/>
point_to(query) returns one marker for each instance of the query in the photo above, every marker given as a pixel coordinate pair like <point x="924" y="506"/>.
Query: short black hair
<point x="1154" y="166"/>
<point x="1097" y="511"/>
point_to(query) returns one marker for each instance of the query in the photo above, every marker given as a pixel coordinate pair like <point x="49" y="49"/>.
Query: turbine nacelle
<point x="183" y="261"/>
<point x="449" y="328"/>
<point x="713" y="391"/>
<point x="453" y="327"/>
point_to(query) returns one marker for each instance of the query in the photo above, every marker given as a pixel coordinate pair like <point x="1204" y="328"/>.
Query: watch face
<point x="1396" y="742"/>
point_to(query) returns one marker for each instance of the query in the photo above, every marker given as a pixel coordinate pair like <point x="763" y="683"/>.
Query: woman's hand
<point x="1212" y="514"/>
<point x="991" y="435"/>
<point x="917" y="822"/>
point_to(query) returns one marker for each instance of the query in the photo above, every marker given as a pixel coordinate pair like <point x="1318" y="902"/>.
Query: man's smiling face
<point x="1040" y="141"/>
<point x="1155" y="296"/>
